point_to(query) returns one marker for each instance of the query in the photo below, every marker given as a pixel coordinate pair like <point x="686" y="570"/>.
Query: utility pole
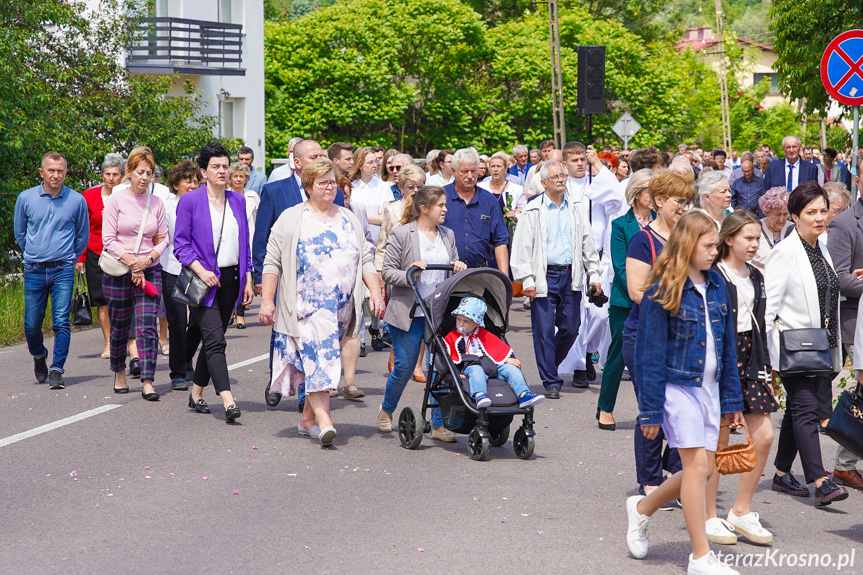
<point x="723" y="83"/>
<point x="556" y="75"/>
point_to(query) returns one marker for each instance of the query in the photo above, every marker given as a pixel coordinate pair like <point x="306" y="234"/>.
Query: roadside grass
<point x="12" y="312"/>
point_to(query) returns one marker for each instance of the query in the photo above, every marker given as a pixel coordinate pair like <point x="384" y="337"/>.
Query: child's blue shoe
<point x="482" y="400"/>
<point x="529" y="399"/>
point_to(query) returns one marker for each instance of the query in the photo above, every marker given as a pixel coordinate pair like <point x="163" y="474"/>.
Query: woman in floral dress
<point x="315" y="261"/>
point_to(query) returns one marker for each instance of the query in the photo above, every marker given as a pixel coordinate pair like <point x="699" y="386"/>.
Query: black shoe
<point x="241" y="325"/>
<point x="301" y="407"/>
<point x="41" y="368"/>
<point x="829" y="492"/>
<point x="822" y="429"/>
<point x="135" y="367"/>
<point x="387" y="340"/>
<point x="119" y="390"/>
<point x="789" y="485"/>
<point x="579" y="379"/>
<point x="362" y="350"/>
<point x="150" y="396"/>
<point x="552" y="392"/>
<point x="589" y="370"/>
<point x="232" y="412"/>
<point x="179" y="384"/>
<point x="200" y="406"/>
<point x="55" y="380"/>
<point x="377" y="342"/>
<point x="272" y="399"/>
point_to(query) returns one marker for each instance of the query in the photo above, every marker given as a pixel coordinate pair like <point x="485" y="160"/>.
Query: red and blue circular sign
<point x="842" y="68"/>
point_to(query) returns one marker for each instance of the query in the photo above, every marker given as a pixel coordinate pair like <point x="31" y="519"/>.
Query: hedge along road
<point x="95" y="482"/>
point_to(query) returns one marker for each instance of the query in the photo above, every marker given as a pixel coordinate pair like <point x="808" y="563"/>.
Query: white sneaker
<point x="750" y="527"/>
<point x="709" y="565"/>
<point x="636" y="533"/>
<point x="720" y="531"/>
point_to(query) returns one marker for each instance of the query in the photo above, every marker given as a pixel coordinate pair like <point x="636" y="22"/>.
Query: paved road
<point x="153" y="488"/>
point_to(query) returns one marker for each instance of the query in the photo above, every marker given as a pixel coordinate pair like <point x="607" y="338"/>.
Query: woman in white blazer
<point x="799" y="275"/>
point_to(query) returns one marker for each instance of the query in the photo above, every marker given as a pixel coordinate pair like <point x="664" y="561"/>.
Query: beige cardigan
<point x="391" y="217"/>
<point x="281" y="260"/>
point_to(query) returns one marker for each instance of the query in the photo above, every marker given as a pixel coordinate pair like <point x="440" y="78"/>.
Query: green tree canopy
<point x="63" y="88"/>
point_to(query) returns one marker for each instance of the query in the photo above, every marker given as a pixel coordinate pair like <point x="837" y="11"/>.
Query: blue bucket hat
<point x="472" y="308"/>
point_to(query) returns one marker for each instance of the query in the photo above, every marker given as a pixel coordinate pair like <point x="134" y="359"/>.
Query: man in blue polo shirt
<point x="52" y="228"/>
<point x="474" y="215"/>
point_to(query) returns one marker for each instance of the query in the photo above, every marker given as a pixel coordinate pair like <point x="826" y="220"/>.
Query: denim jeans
<point x="507" y="372"/>
<point x="406" y="345"/>
<point x="40" y="283"/>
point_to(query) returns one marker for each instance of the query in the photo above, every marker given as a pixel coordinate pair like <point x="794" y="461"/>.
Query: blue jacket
<point x="670" y="348"/>
<point x="276" y="197"/>
<point x="776" y="173"/>
<point x="513" y="171"/>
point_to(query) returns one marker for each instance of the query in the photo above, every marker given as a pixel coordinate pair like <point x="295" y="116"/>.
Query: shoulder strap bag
<point x="806" y="351"/>
<point x="111" y="265"/>
<point x="189" y="288"/>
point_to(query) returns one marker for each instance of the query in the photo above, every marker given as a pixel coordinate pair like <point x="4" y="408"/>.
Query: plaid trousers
<point x="124" y="297"/>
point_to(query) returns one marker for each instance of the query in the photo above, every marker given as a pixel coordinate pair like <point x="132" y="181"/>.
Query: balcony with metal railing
<point x="183" y="46"/>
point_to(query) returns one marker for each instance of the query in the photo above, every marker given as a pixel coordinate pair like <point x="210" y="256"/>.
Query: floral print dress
<point x="327" y="260"/>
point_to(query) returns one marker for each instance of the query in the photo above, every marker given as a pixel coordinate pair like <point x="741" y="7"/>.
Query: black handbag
<point x="81" y="312"/>
<point x="190" y="289"/>
<point x="806" y="351"/>
<point x="846" y="424"/>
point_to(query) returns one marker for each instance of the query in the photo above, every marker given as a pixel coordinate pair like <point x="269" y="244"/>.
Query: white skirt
<point x="692" y="415"/>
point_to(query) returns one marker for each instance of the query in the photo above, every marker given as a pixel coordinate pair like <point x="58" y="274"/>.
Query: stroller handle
<point x="412" y="275"/>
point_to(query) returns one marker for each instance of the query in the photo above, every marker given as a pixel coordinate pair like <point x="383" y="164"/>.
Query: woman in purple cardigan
<point x="212" y="238"/>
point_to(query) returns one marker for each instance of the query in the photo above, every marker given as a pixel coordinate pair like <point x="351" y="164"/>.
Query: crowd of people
<point x="676" y="270"/>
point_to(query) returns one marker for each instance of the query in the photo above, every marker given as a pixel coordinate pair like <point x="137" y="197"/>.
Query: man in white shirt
<point x="284" y="171"/>
<point x="602" y="199"/>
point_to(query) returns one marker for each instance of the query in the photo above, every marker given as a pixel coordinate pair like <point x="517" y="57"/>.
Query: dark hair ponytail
<point x="425" y="196"/>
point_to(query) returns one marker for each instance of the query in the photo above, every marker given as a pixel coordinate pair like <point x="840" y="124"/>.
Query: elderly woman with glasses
<point x="775" y="225"/>
<point x="317" y="257"/>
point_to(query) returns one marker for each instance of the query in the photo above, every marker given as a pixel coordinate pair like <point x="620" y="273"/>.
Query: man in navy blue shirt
<point x="52" y="228"/>
<point x="746" y="191"/>
<point x="474" y="215"/>
<point x="521" y="167"/>
<point x="277" y="197"/>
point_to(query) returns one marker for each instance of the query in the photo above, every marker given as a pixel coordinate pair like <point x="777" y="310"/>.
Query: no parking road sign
<point x="842" y="68"/>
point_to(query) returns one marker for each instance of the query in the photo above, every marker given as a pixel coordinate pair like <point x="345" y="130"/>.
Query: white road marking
<point x="249" y="361"/>
<point x="56" y="424"/>
<point x="81" y="416"/>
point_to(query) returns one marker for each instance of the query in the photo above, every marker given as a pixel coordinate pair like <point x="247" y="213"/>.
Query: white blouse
<point x="229" y="250"/>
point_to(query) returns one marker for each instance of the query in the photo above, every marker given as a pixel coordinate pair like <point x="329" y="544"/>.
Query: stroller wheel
<point x="523" y="443"/>
<point x="411" y="426"/>
<point x="477" y="446"/>
<point x="498" y="440"/>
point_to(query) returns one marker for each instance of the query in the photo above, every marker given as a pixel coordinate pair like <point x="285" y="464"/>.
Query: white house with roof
<point x="217" y="46"/>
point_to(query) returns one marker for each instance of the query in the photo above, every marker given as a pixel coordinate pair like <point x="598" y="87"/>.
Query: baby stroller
<point x="487" y="426"/>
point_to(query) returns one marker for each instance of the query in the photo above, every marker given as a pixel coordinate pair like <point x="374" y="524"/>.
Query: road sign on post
<point x="626" y="127"/>
<point x="842" y="76"/>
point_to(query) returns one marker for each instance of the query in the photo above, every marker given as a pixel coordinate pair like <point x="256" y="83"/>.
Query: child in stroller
<point x="480" y="355"/>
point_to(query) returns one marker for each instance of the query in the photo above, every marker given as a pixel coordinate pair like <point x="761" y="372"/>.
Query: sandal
<point x="352" y="392"/>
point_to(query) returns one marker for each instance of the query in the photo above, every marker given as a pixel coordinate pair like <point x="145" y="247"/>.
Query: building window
<point x="225" y="12"/>
<point x="227" y="119"/>
<point x="772" y="78"/>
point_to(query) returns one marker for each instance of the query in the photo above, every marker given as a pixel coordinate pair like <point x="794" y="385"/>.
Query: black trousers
<point x="183" y="336"/>
<point x="799" y="430"/>
<point x="213" y="322"/>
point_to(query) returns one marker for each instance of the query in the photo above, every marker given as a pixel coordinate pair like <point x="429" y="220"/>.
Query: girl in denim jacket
<point x="686" y="368"/>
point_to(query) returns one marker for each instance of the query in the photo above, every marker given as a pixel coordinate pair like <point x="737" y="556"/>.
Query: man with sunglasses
<point x="552" y="253"/>
<point x="601" y="197"/>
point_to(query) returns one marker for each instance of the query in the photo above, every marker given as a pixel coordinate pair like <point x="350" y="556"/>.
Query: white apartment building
<point x="218" y="46"/>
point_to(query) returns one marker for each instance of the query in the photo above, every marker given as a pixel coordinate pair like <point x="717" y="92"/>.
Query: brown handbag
<point x="517" y="290"/>
<point x="738" y="458"/>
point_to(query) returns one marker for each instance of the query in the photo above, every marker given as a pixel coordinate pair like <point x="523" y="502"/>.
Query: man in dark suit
<point x="792" y="171"/>
<point x="845" y="244"/>
<point x="277" y="197"/>
<point x="519" y="170"/>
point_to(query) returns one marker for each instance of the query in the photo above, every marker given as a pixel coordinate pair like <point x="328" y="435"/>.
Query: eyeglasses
<point x="557" y="178"/>
<point x="326" y="185"/>
<point x="413" y="187"/>
<point x="681" y="203"/>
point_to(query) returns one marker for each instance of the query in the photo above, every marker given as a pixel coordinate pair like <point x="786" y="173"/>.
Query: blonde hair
<point x="411" y="173"/>
<point x="239" y="167"/>
<point x="360" y="155"/>
<point x="138" y="155"/>
<point x="638" y="182"/>
<point x="672" y="267"/>
<point x="425" y="196"/>
<point x="668" y="184"/>
<point x="318" y="168"/>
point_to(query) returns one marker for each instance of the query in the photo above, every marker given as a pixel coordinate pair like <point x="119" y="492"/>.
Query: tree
<point x="803" y="30"/>
<point x="62" y="88"/>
